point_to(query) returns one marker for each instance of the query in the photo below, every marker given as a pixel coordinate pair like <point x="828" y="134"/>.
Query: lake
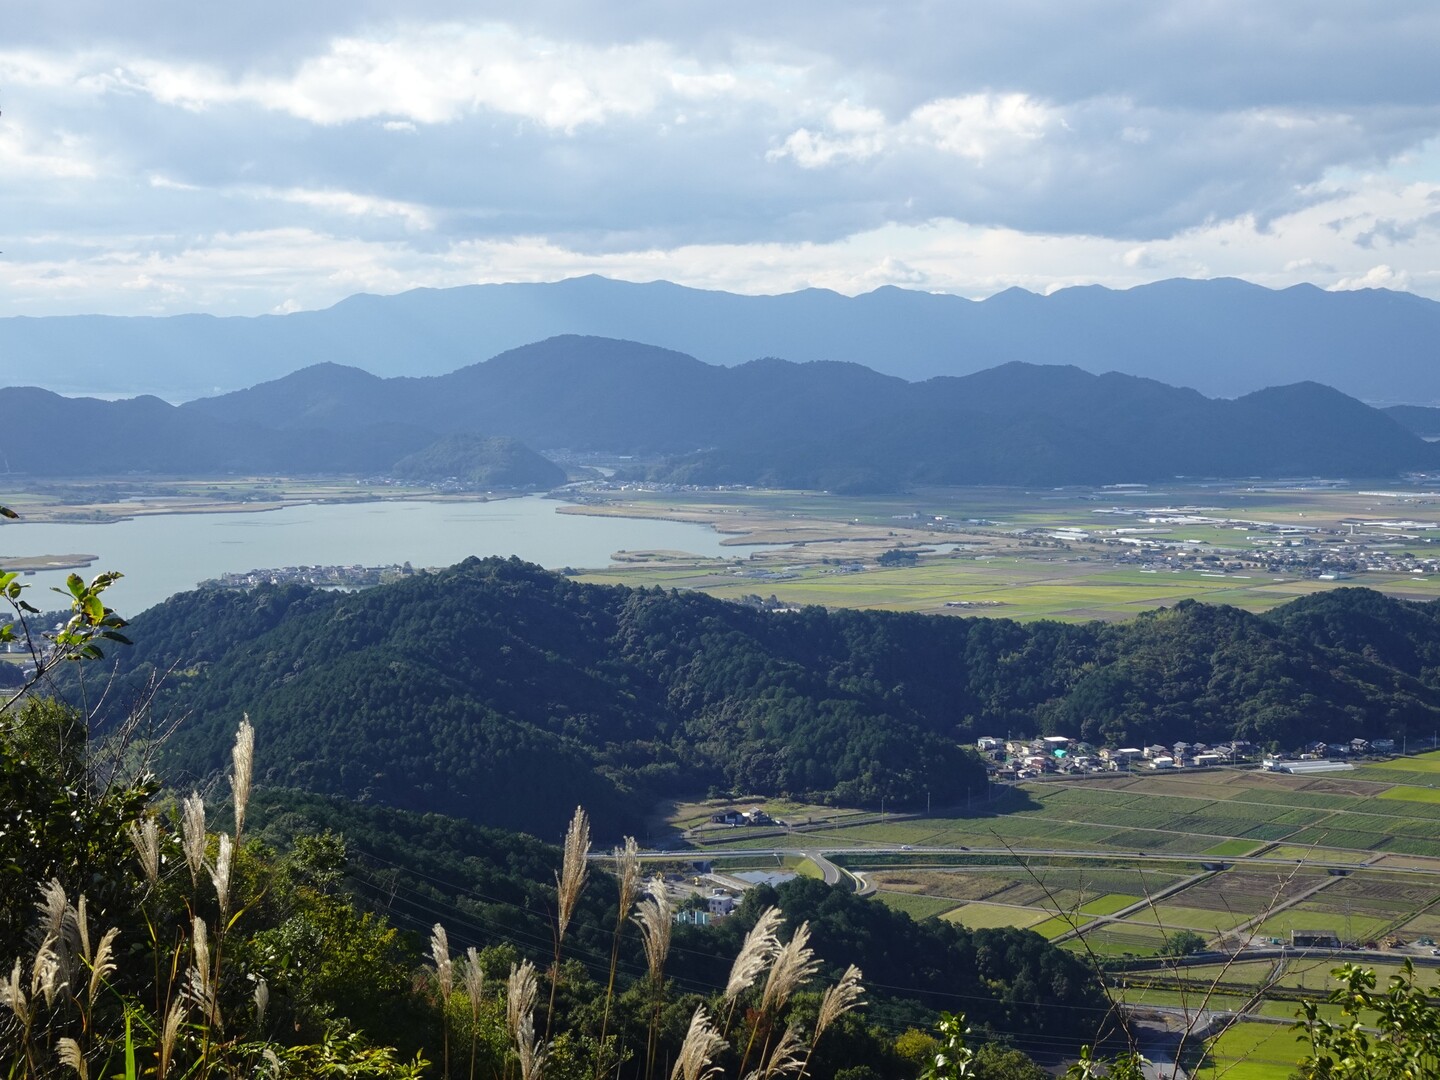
<point x="168" y="553"/>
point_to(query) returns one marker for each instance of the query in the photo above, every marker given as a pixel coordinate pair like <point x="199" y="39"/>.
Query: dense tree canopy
<point x="505" y="694"/>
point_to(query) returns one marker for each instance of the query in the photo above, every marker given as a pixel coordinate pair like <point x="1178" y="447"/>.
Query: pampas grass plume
<point x="145" y="835"/>
<point x="838" y="1000"/>
<point x="192" y="834"/>
<point x="243" y="757"/>
<point x="444" y="967"/>
<point x="653" y="916"/>
<point x="574" y="868"/>
<point x="520" y="993"/>
<point x="760" y="947"/>
<point x="794" y="964"/>
<point x="702" y="1043"/>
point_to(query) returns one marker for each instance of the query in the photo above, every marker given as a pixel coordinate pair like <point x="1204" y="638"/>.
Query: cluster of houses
<point x="735" y="818"/>
<point x="718" y="905"/>
<point x="330" y="577"/>
<point x="1025" y="759"/>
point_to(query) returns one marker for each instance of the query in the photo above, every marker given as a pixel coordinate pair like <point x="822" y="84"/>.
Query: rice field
<point x="1238" y="857"/>
<point x="973" y="558"/>
<point x="1252" y="1051"/>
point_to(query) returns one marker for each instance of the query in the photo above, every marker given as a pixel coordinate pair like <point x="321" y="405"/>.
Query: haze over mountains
<point x="833" y="426"/>
<point x="1223" y="337"/>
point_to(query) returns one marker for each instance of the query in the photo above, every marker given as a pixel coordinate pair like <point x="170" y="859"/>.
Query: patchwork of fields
<point x="1014" y="553"/>
<point x="1117" y="867"/>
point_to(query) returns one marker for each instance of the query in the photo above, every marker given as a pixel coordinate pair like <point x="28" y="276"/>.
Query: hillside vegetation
<point x="504" y="693"/>
<point x="820" y="425"/>
<point x="846" y="427"/>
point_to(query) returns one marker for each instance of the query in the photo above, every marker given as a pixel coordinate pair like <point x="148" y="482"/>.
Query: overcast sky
<point x="160" y="156"/>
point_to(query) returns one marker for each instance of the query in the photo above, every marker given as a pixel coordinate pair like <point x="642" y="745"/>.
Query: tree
<point x="1380" y="1035"/>
<point x="1183" y="943"/>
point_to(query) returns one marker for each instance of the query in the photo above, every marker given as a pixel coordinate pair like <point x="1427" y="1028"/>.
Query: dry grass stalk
<point x="54" y="911"/>
<point x="445" y="977"/>
<point x="81" y="922"/>
<point x="794" y="964"/>
<point x="220" y="874"/>
<point x="761" y="945"/>
<point x="444" y="966"/>
<point x="627" y="877"/>
<point x="654" y="917"/>
<point x="45" y="980"/>
<point x="12" y="995"/>
<point x="531" y="1050"/>
<point x="202" y="984"/>
<point x="473" y="975"/>
<point x="145" y="835"/>
<point x="574" y="869"/>
<point x="569" y="884"/>
<point x="169" y="1035"/>
<point x="243" y="757"/>
<point x="520" y="993"/>
<point x="702" y="1043"/>
<point x="262" y="1000"/>
<point x="785" y="1058"/>
<point x="104" y="962"/>
<point x="192" y="834"/>
<point x="838" y="1000"/>
<point x="627" y="874"/>
<point x="68" y="1051"/>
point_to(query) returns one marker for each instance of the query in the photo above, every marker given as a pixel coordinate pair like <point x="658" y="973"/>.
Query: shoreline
<point x="30" y="564"/>
<point x="107" y="513"/>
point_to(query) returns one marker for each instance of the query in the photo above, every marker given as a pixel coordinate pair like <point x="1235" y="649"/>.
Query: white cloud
<point x="973" y="127"/>
<point x="415" y="74"/>
<point x="350" y="204"/>
<point x="958" y="147"/>
<point x="979" y="125"/>
<point x="60" y="156"/>
<point x="1377" y="277"/>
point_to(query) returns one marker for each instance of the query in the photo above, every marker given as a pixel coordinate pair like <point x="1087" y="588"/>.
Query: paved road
<point x="917" y="853"/>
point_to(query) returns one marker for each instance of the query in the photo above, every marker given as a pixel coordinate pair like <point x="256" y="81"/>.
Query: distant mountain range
<point x="1223" y="337"/>
<point x="839" y="427"/>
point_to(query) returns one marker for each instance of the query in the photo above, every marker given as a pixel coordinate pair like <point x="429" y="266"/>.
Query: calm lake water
<point x="164" y="554"/>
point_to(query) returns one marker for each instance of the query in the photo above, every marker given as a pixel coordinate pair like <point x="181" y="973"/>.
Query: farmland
<point x="1068" y="554"/>
<point x="1117" y="867"/>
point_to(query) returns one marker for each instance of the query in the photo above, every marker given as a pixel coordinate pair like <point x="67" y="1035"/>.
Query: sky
<point x="160" y="156"/>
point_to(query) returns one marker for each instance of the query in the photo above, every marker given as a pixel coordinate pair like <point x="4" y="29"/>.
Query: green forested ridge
<point x="833" y="426"/>
<point x="844" y="427"/>
<point x="503" y="693"/>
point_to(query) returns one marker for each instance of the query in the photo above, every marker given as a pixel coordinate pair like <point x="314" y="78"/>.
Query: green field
<point x="1252" y="1051"/>
<point x="988" y="916"/>
<point x="917" y="907"/>
<point x="1405" y="793"/>
<point x="1269" y="841"/>
<point x="972" y="558"/>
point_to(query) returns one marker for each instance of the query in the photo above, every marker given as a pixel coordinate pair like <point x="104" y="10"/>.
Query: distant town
<point x="1029" y="759"/>
<point x="329" y="577"/>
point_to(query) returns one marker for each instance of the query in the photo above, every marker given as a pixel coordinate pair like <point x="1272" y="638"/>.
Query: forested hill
<point x="503" y="693"/>
<point x="821" y="425"/>
<point x="844" y="427"/>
